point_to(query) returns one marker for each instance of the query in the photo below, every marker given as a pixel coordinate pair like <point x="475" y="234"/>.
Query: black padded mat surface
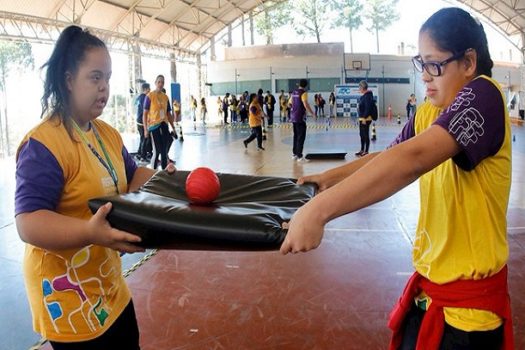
<point x="247" y="215"/>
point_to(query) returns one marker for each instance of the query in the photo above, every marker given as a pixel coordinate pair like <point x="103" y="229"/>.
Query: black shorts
<point x="123" y="334"/>
<point x="453" y="338"/>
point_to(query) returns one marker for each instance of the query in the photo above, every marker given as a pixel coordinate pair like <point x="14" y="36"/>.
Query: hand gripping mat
<point x="247" y="215"/>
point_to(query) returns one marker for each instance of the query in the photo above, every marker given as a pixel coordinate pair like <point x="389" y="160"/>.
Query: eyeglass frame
<point x="417" y="59"/>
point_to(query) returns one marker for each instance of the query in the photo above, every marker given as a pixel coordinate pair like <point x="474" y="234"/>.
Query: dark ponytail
<point x="455" y="30"/>
<point x="68" y="54"/>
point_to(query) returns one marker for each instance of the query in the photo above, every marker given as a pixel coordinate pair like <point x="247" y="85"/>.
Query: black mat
<point x="326" y="155"/>
<point x="247" y="215"/>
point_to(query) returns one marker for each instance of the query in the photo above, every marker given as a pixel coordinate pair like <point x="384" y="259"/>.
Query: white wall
<point x="328" y="62"/>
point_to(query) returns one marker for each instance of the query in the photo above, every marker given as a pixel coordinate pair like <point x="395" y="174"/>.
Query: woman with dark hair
<point x="458" y="146"/>
<point x="72" y="266"/>
<point x="157" y="116"/>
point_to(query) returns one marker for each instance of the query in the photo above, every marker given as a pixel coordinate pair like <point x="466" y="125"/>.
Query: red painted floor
<point x="336" y="297"/>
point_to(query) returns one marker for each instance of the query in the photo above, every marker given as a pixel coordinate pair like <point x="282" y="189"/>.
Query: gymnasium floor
<point x="336" y="297"/>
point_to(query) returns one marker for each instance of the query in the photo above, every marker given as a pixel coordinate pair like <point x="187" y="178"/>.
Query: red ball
<point x="202" y="186"/>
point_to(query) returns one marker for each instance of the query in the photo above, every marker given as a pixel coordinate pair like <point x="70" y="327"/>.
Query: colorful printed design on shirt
<point x="92" y="312"/>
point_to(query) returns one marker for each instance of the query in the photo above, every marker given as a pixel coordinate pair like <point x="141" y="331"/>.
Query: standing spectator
<point x="157" y="117"/>
<point x="365" y="117"/>
<point x="283" y="105"/>
<point x="255" y="120"/>
<point x="145" y="143"/>
<point x="225" y="106"/>
<point x="269" y="101"/>
<point x="193" y="108"/>
<point x="411" y="106"/>
<point x="316" y="105"/>
<point x="331" y="104"/>
<point x="300" y="107"/>
<point x="321" y="102"/>
<point x="289" y="106"/>
<point x="204" y="110"/>
<point x="243" y="108"/>
<point x="219" y="107"/>
<point x="234" y="108"/>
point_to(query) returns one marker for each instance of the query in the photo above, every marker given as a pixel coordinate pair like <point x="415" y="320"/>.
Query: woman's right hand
<point x="101" y="233"/>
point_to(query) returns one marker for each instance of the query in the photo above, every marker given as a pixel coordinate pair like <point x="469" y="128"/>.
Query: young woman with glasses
<point x="458" y="146"/>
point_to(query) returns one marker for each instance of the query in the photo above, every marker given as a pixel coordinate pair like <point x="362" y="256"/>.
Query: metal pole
<point x="235" y="81"/>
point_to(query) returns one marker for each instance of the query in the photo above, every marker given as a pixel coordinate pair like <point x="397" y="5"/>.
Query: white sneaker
<point x="294" y="157"/>
<point x="302" y="160"/>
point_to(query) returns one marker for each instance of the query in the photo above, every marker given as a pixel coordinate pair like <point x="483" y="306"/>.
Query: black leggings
<point x="160" y="137"/>
<point x="453" y="338"/>
<point x="364" y="133"/>
<point x="123" y="334"/>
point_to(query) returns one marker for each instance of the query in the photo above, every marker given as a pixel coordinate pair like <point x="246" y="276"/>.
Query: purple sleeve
<point x="129" y="164"/>
<point x="405" y="134"/>
<point x="253" y="110"/>
<point x="147" y="103"/>
<point x="476" y="120"/>
<point x="39" y="179"/>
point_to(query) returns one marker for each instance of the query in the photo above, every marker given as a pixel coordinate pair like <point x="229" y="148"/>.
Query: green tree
<point x="348" y="14"/>
<point x="14" y="56"/>
<point x="311" y="18"/>
<point x="381" y="14"/>
<point x="271" y="17"/>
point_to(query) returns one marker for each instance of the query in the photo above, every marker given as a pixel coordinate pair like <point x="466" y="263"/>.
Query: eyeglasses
<point x="434" y="68"/>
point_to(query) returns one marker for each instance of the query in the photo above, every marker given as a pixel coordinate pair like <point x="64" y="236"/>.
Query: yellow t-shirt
<point x="158" y="109"/>
<point x="255" y="115"/>
<point x="461" y="233"/>
<point x="77" y="294"/>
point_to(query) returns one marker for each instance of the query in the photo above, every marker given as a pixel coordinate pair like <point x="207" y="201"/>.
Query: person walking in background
<point x="255" y="120"/>
<point x="144" y="150"/>
<point x="300" y="110"/>
<point x="331" y="104"/>
<point x="365" y="117"/>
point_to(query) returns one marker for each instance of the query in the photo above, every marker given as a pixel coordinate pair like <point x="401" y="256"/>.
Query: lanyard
<point x="107" y="164"/>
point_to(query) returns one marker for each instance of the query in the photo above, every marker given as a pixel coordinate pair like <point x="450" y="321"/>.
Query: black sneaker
<point x="245" y="144"/>
<point x="359" y="154"/>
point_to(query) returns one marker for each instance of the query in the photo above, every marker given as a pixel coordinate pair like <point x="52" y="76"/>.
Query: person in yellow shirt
<point x="458" y="146"/>
<point x="72" y="268"/>
<point x="157" y="117"/>
<point x="255" y="120"/>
